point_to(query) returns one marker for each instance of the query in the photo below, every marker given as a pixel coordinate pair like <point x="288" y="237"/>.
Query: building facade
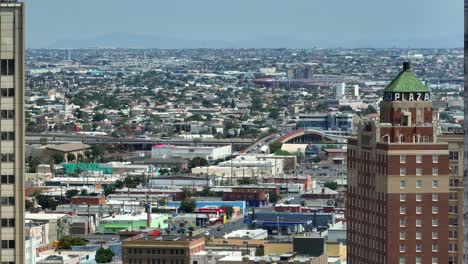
<point x="456" y="196"/>
<point x="398" y="181"/>
<point x="12" y="131"/>
<point x="161" y="249"/>
<point x="328" y="121"/>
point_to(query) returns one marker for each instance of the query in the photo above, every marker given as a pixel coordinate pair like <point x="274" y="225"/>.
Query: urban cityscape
<point x="319" y="155"/>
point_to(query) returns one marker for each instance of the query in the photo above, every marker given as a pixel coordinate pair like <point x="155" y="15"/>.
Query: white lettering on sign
<point x="407" y="97"/>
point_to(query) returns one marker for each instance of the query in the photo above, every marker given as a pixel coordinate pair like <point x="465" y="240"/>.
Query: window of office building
<point x="7" y="67"/>
<point x="4" y="114"/>
<point x="7" y="179"/>
<point x="435" y="171"/>
<point x="8" y="244"/>
<point x="7" y="92"/>
<point x="453" y="155"/>
<point x="402" y="158"/>
<point x="7" y="135"/>
<point x="418" y="159"/>
<point x="418" y="197"/>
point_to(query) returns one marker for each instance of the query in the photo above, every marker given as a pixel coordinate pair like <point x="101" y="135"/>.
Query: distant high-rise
<point x="12" y="131"/>
<point x="398" y="181"/>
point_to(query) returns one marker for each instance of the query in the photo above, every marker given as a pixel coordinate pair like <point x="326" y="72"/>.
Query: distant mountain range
<point x="129" y="40"/>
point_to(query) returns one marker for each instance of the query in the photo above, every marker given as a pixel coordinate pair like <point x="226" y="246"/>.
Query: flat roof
<point x="69" y="147"/>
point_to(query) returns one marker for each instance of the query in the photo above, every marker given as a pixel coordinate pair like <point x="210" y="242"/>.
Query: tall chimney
<point x="406" y="66"/>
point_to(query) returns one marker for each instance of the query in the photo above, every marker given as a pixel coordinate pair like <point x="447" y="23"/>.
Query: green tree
<point x="247" y="181"/>
<point x="206" y="191"/>
<point x="98" y="150"/>
<point x="188" y="205"/>
<point x="28" y="205"/>
<point x="84" y="192"/>
<point x="104" y="255"/>
<point x="197" y="162"/>
<point x="280" y="152"/>
<point x="108" y="191"/>
<point x="119" y="184"/>
<point x="346" y="108"/>
<point x="322" y="107"/>
<point x="99" y="117"/>
<point x="71" y="157"/>
<point x="43" y="141"/>
<point x="67" y="242"/>
<point x="333" y="185"/>
<point x="316" y="159"/>
<point x="273" y="197"/>
<point x="71" y="193"/>
<point x="57" y="158"/>
<point x="229" y="210"/>
<point x="33" y="165"/>
<point x="46" y="202"/>
<point x="275" y="146"/>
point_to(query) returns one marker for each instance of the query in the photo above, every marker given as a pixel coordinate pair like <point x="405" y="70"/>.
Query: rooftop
<point x="69" y="147"/>
<point x="406" y="82"/>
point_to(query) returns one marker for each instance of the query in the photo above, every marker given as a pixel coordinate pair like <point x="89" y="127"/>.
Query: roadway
<point x="92" y="140"/>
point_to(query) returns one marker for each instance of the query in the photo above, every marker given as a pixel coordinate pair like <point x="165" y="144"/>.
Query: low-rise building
<point x="161" y="249"/>
<point x="190" y="152"/>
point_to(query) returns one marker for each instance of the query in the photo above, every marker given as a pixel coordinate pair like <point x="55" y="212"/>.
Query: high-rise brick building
<point x="398" y="180"/>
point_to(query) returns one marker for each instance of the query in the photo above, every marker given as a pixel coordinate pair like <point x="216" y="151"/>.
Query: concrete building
<point x="456" y="196"/>
<point x="398" y="181"/>
<point x="244" y="166"/>
<point x="12" y="86"/>
<point x="208" y="153"/>
<point x="328" y="121"/>
<point x="161" y="249"/>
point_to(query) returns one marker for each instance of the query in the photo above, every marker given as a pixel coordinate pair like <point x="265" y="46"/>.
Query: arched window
<point x="385" y="138"/>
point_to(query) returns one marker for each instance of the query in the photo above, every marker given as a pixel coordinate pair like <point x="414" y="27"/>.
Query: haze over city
<point x="244" y="24"/>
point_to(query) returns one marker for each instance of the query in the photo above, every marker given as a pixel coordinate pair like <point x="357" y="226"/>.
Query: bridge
<point x="138" y="143"/>
<point x="312" y="136"/>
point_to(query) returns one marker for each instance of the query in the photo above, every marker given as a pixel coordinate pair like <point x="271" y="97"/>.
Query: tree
<point x="98" y="150"/>
<point x="346" y="108"/>
<point x="43" y="141"/>
<point x="71" y="193"/>
<point x="88" y="154"/>
<point x="46" y="202"/>
<point x="84" y="192"/>
<point x="247" y="181"/>
<point x="186" y="193"/>
<point x="79" y="157"/>
<point x="33" y="165"/>
<point x="28" y="205"/>
<point x="119" y="184"/>
<point x="99" y="117"/>
<point x="369" y="110"/>
<point x="108" y="191"/>
<point x="322" y="107"/>
<point x="275" y="146"/>
<point x="71" y="157"/>
<point x="206" y="191"/>
<point x="280" y="152"/>
<point x="274" y="113"/>
<point x="273" y="197"/>
<point x="188" y="205"/>
<point x="316" y="159"/>
<point x="229" y="210"/>
<point x="104" y="255"/>
<point x="333" y="185"/>
<point x="67" y="242"/>
<point x="197" y="162"/>
<point x="57" y="158"/>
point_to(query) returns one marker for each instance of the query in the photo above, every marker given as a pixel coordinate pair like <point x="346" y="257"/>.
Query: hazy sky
<point x="429" y="23"/>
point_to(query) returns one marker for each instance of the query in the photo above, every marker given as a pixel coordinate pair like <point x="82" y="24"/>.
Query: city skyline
<point x="261" y="24"/>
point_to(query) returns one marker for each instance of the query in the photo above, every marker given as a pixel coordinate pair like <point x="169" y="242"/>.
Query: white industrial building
<point x="190" y="152"/>
<point x="244" y="166"/>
